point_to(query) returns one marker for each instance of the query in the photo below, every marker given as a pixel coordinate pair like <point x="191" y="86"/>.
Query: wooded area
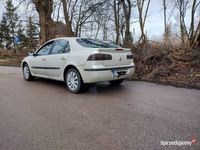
<point x="99" y="19"/>
<point x="112" y="20"/>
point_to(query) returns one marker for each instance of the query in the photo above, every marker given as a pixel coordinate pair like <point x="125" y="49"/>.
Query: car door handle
<point x="62" y="58"/>
<point x="43" y="59"/>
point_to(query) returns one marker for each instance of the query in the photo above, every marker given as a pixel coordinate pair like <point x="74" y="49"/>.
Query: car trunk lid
<point x="119" y="56"/>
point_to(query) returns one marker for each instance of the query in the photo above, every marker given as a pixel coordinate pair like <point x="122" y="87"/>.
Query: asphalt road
<point x="43" y="115"/>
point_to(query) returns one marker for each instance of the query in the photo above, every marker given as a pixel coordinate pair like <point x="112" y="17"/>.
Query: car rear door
<point x="58" y="58"/>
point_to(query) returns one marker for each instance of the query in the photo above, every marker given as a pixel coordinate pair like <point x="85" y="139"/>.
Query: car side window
<point x="60" y="46"/>
<point x="45" y="49"/>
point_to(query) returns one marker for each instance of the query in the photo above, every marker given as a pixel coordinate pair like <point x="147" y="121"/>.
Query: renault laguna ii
<point x="79" y="61"/>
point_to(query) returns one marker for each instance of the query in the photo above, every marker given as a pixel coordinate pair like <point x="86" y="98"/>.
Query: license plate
<point x="118" y="73"/>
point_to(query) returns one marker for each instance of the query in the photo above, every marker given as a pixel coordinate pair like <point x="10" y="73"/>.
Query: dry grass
<point x="6" y="53"/>
<point x="8" y="58"/>
<point x="11" y="62"/>
<point x="161" y="63"/>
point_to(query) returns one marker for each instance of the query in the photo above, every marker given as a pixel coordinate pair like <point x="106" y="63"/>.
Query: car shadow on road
<point x="97" y="88"/>
<point x="104" y="88"/>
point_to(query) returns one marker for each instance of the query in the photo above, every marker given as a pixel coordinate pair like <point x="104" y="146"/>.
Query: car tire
<point x="74" y="81"/>
<point x="116" y="82"/>
<point x="27" y="73"/>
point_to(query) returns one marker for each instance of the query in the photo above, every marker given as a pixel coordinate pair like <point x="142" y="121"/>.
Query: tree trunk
<point x="68" y="31"/>
<point x="127" y="12"/>
<point x="105" y="37"/>
<point x="191" y="32"/>
<point x="182" y="6"/>
<point x="98" y="28"/>
<point x="44" y="9"/>
<point x="196" y="38"/>
<point x="180" y="21"/>
<point x="165" y="20"/>
<point x="79" y="31"/>
<point x="142" y="20"/>
<point x="116" y="17"/>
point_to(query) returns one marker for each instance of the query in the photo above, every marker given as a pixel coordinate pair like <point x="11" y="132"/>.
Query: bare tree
<point x="68" y="30"/>
<point x="194" y="34"/>
<point x="167" y="24"/>
<point x="196" y="38"/>
<point x="103" y="17"/>
<point x="86" y="10"/>
<point x="127" y="5"/>
<point x="116" y="9"/>
<point x="165" y="17"/>
<point x="182" y="6"/>
<point x="189" y="35"/>
<point x="44" y="9"/>
<point x="142" y="18"/>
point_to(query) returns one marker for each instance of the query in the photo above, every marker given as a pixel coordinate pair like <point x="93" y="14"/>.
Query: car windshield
<point x="93" y="43"/>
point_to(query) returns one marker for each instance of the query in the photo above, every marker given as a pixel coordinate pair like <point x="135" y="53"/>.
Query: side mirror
<point x="31" y="53"/>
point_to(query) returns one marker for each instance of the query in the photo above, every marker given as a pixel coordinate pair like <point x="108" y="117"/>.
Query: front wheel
<point x="116" y="82"/>
<point x="27" y="73"/>
<point x="73" y="81"/>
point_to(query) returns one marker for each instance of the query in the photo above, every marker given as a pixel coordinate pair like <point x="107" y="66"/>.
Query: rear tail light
<point x="119" y="49"/>
<point x="99" y="56"/>
<point x="129" y="56"/>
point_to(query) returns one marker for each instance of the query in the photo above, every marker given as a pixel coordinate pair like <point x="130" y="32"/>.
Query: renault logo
<point x="120" y="59"/>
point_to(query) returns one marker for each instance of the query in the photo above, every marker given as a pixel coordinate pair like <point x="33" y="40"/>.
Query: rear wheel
<point x="116" y="82"/>
<point x="73" y="81"/>
<point x="26" y="73"/>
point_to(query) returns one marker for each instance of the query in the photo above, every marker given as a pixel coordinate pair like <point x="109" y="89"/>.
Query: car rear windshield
<point x="93" y="43"/>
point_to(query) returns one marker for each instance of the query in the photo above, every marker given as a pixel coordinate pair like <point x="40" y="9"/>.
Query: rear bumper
<point x="92" y="75"/>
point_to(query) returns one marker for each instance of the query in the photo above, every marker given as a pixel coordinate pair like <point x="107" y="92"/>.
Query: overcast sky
<point x="154" y="23"/>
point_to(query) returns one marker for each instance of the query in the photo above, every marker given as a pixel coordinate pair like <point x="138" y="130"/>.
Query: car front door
<point x="57" y="59"/>
<point x="38" y="62"/>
